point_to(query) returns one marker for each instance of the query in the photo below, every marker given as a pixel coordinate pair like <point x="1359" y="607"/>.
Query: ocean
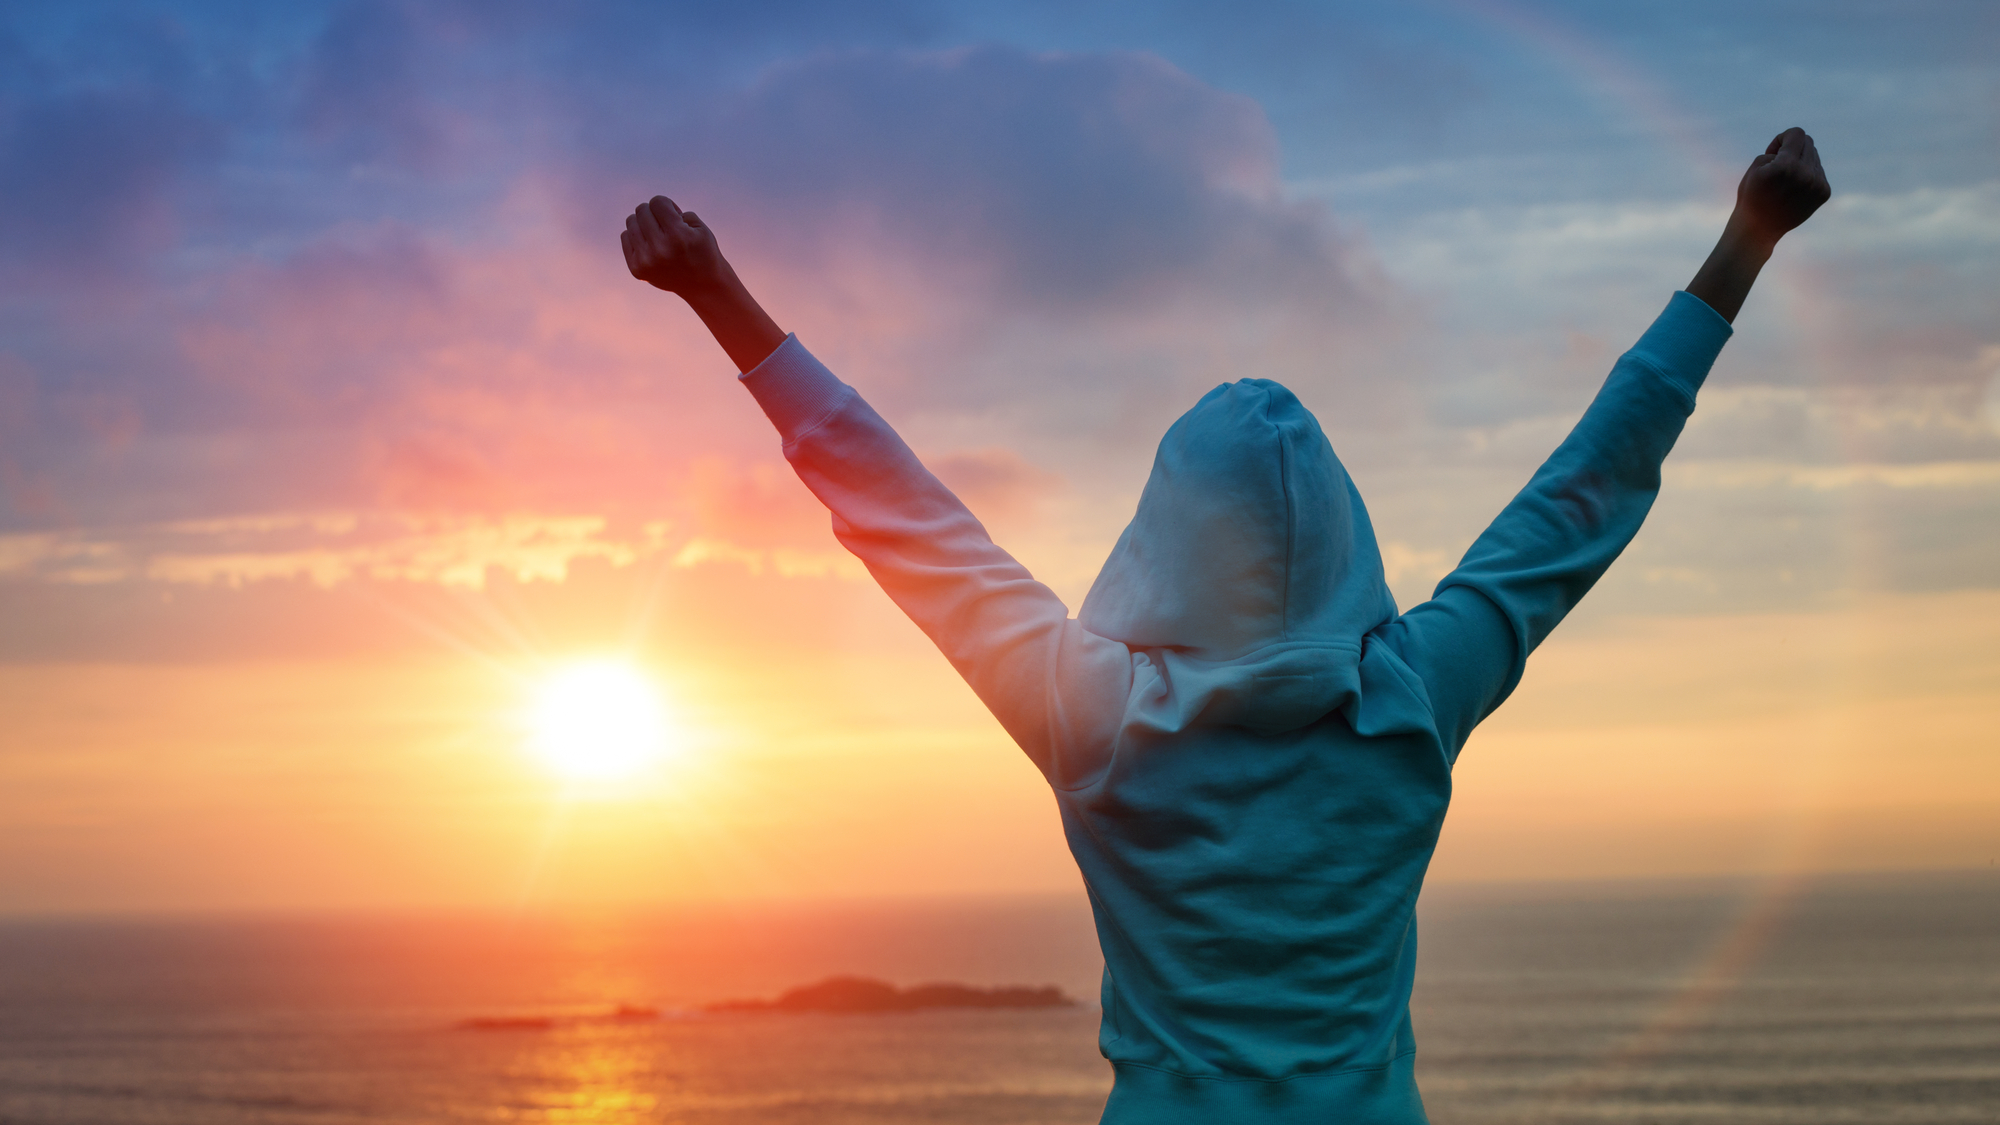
<point x="1853" y="999"/>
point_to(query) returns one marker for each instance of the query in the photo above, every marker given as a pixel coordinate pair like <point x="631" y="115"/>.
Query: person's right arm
<point x="1470" y="642"/>
<point x="1057" y="688"/>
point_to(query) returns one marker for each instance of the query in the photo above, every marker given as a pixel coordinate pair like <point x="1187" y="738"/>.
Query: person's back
<point x="1254" y="836"/>
<point x="1250" y="748"/>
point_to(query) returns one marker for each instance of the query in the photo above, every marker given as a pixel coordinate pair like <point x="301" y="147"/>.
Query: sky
<point x="331" y="424"/>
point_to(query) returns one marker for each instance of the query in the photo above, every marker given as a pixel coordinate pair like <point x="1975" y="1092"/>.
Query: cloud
<point x="987" y="183"/>
<point x="87" y="181"/>
<point x="334" y="585"/>
<point x="325" y="549"/>
<point x="362" y="94"/>
<point x="1897" y="288"/>
<point x="1074" y="184"/>
<point x="375" y="274"/>
<point x="1821" y="428"/>
<point x="1879" y="289"/>
<point x="961" y="231"/>
<point x="328" y="327"/>
<point x="995" y="483"/>
<point x="1989" y="358"/>
<point x="475" y="380"/>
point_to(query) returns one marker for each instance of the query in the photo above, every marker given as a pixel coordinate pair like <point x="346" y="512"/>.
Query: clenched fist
<point x="672" y="249"/>
<point x="1783" y="187"/>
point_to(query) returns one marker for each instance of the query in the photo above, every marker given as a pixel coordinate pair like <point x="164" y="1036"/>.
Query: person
<point x="1251" y="750"/>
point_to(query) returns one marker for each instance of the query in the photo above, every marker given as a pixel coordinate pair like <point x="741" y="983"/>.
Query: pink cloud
<point x="1022" y="259"/>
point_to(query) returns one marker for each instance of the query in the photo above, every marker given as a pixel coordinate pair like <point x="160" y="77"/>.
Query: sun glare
<point x="599" y="721"/>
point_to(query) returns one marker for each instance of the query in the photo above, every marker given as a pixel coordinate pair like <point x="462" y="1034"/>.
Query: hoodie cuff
<point x="796" y="391"/>
<point x="1683" y="343"/>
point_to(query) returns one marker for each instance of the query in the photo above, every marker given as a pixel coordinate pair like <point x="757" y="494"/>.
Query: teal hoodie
<point x="1250" y="748"/>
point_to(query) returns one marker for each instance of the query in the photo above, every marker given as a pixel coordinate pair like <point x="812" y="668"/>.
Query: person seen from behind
<point x="1250" y="748"/>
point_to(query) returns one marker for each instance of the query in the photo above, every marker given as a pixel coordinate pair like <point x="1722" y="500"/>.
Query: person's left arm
<point x="1532" y="565"/>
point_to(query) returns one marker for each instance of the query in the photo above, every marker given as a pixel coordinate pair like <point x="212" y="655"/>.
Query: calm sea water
<point x="1844" y="1000"/>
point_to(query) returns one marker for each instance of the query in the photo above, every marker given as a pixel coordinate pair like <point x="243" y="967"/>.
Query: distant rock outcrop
<point x="623" y="1013"/>
<point x="507" y="1023"/>
<point x="860" y="994"/>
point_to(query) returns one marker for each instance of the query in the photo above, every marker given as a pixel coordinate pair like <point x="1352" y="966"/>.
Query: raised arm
<point x="1058" y="689"/>
<point x="1470" y="642"/>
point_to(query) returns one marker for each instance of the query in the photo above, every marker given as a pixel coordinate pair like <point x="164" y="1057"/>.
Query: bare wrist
<point x="1743" y="237"/>
<point x="719" y="285"/>
<point x="734" y="318"/>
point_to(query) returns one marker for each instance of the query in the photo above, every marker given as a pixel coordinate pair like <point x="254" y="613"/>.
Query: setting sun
<point x="598" y="721"/>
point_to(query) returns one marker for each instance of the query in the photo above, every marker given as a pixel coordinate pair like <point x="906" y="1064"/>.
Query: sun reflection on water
<point x="604" y="1075"/>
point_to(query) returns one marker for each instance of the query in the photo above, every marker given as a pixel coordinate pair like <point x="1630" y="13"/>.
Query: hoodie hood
<point x="1249" y="534"/>
<point x="1249" y="579"/>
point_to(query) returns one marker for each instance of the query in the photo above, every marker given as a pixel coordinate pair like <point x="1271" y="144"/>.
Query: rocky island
<point x="861" y="994"/>
<point x="623" y="1013"/>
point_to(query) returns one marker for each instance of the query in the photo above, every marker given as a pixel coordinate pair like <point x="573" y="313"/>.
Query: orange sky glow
<point x="1751" y="743"/>
<point x="290" y="539"/>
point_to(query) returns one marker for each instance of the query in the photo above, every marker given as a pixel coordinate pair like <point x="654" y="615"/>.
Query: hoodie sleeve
<point x="1470" y="642"/>
<point x="1057" y="688"/>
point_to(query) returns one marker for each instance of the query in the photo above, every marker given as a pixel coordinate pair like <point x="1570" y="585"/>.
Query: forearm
<point x="1724" y="280"/>
<point x="1583" y="506"/>
<point x="735" y="319"/>
<point x="1007" y="634"/>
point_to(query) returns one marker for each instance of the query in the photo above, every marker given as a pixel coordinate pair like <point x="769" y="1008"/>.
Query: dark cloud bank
<point x="243" y="243"/>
